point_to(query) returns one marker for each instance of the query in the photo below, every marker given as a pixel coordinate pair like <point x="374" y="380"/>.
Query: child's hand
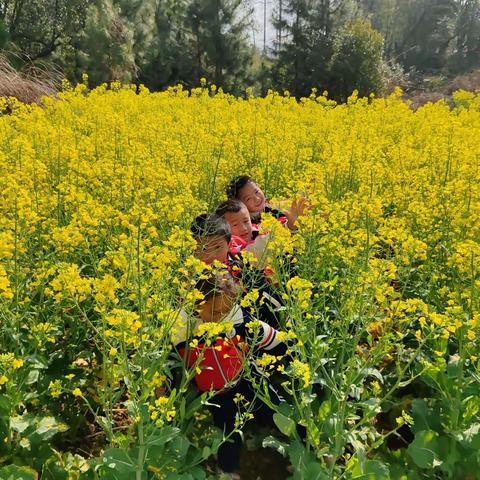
<point x="296" y="210"/>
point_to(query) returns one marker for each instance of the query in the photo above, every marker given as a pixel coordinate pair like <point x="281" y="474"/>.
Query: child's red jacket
<point x="220" y="363"/>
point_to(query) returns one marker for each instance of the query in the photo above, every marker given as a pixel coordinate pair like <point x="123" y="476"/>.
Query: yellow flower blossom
<point x="301" y="370"/>
<point x="17" y="363"/>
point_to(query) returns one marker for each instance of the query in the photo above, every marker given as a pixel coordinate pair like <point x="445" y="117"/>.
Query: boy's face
<point x="240" y="223"/>
<point x="216" y="307"/>
<point x="252" y="196"/>
<point x="211" y="248"/>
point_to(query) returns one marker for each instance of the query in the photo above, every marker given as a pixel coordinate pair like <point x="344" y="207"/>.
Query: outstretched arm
<point x="296" y="210"/>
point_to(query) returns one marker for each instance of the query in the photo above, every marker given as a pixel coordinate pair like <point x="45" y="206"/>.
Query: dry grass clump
<point x="444" y="90"/>
<point x="30" y="85"/>
<point x="419" y="98"/>
<point x="468" y="81"/>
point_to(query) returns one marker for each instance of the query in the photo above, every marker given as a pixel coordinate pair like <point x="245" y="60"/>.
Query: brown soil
<point x="263" y="464"/>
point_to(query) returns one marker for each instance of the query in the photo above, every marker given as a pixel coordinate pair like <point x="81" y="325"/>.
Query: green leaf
<point x="307" y="466"/>
<point x="158" y="458"/>
<point x="5" y="404"/>
<point x="355" y="391"/>
<point x="54" y="470"/>
<point x="193" y="406"/>
<point x="272" y="442"/>
<point x="371" y="470"/>
<point x="19" y="423"/>
<point x="285" y="409"/>
<point x="118" y="461"/>
<point x="104" y="423"/>
<point x="425" y="418"/>
<point x="198" y="473"/>
<point x="305" y="463"/>
<point x="470" y="437"/>
<point x="178" y="449"/>
<point x="37" y="362"/>
<point x="181" y="409"/>
<point x="32" y="377"/>
<point x="424" y="449"/>
<point x="163" y="436"/>
<point x="285" y="425"/>
<point x="49" y="426"/>
<point x="324" y="410"/>
<point x="25" y="443"/>
<point x="13" y="472"/>
<point x="372" y="372"/>
<point x="451" y="453"/>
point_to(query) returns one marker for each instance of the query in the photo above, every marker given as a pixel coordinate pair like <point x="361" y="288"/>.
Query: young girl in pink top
<point x="245" y="189"/>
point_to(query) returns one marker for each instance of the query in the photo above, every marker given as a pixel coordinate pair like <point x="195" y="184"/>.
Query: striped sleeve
<point x="269" y="341"/>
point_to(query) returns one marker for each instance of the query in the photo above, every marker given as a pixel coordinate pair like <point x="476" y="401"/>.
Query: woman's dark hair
<point x="209" y="225"/>
<point x="229" y="206"/>
<point x="234" y="187"/>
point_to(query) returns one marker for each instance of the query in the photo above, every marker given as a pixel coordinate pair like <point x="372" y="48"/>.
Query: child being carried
<point x="217" y="344"/>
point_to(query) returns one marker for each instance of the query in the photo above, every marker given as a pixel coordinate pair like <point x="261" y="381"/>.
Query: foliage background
<point x="334" y="45"/>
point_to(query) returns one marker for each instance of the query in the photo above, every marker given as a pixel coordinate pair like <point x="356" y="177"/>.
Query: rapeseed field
<point x="97" y="193"/>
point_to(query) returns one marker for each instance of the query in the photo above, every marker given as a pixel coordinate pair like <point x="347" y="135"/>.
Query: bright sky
<point x="257" y="36"/>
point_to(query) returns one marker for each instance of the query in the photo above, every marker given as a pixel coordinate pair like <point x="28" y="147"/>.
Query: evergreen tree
<point x="317" y="42"/>
<point x="168" y="59"/>
<point x="104" y="48"/>
<point x="35" y="29"/>
<point x="426" y="41"/>
<point x="139" y="17"/>
<point x="430" y="35"/>
<point x="389" y="18"/>
<point x="219" y="45"/>
<point x="305" y="46"/>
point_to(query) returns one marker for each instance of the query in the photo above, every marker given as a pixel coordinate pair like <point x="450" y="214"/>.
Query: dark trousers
<point x="224" y="418"/>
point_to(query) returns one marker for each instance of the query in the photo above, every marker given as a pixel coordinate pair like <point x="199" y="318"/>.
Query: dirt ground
<point x="263" y="464"/>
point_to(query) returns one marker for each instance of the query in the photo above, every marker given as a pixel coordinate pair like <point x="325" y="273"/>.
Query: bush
<point x="357" y="63"/>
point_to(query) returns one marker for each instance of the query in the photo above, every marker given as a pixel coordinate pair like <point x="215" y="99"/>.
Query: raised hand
<point x="296" y="210"/>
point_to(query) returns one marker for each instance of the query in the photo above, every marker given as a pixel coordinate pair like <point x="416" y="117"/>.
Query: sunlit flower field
<point x="97" y="193"/>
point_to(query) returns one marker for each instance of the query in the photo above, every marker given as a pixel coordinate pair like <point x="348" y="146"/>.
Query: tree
<point x="466" y="53"/>
<point x="219" y="44"/>
<point x="430" y="36"/>
<point x="104" y="48"/>
<point x="305" y="47"/>
<point x="389" y="18"/>
<point x="35" y="29"/>
<point x="357" y="60"/>
<point x="168" y="59"/>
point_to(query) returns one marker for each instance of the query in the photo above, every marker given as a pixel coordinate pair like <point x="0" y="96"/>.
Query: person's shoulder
<point x="275" y="212"/>
<point x="236" y="315"/>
